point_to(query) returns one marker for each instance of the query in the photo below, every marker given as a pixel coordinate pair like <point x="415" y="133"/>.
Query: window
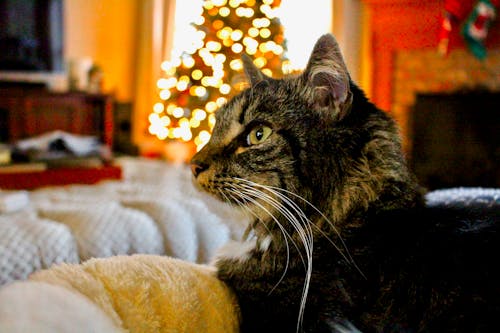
<point x="303" y="24"/>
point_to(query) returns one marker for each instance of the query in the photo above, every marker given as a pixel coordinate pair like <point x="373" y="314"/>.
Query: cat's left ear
<point x="253" y="74"/>
<point x="326" y="73"/>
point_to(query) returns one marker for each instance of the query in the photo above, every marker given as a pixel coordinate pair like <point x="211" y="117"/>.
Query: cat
<point x="340" y="238"/>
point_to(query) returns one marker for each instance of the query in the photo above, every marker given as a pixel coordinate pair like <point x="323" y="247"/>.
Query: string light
<point x="158" y="107"/>
<point x="202" y="78"/>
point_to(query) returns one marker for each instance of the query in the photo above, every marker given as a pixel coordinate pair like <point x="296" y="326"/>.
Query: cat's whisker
<point x="294" y="206"/>
<point x="285" y="233"/>
<point x="275" y="190"/>
<point x="305" y="234"/>
<point x="277" y="206"/>
<point x="248" y="211"/>
<point x="282" y="229"/>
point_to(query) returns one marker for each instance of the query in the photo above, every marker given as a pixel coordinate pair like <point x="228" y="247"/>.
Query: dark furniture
<point x="27" y="110"/>
<point x="456" y="139"/>
<point x="30" y="111"/>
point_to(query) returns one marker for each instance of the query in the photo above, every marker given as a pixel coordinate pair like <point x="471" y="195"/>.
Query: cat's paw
<point x="236" y="251"/>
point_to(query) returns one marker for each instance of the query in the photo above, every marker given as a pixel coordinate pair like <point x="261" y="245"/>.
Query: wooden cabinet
<point x="26" y="112"/>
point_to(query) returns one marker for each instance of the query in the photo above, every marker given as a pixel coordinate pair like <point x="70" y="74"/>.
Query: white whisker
<point x="304" y="232"/>
<point x="275" y="190"/>
<point x="284" y="232"/>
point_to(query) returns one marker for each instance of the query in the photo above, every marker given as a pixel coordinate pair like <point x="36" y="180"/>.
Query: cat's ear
<point x="254" y="75"/>
<point x="327" y="74"/>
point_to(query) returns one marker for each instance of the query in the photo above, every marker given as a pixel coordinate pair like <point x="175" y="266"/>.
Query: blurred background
<point x="145" y="76"/>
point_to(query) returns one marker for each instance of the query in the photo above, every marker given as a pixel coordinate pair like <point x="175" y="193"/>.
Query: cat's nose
<point x="198" y="167"/>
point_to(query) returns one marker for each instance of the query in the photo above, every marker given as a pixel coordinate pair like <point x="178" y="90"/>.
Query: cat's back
<point x="435" y="267"/>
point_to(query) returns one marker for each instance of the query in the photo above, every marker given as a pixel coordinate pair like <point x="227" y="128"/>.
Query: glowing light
<point x="217" y="24"/>
<point x="194" y="123"/>
<point x="202" y="139"/>
<point x="219" y="3"/>
<point x="234" y="3"/>
<point x="213" y="46"/>
<point x="251" y="51"/>
<point x="265" y="22"/>
<point x="253" y="32"/>
<point x="199" y="114"/>
<point x="205" y="81"/>
<point x="199" y="20"/>
<point x="192" y="90"/>
<point x="177" y="132"/>
<point x="244" y="12"/>
<point x="224" y="89"/>
<point x="158" y="107"/>
<point x="236" y="35"/>
<point x="200" y="91"/>
<point x="188" y="62"/>
<point x="165" y="94"/>
<point x="263" y="48"/>
<point x="166" y="65"/>
<point x="237" y="48"/>
<point x="162" y="84"/>
<point x="171" y="108"/>
<point x="184" y="123"/>
<point x="260" y="62"/>
<point x="220" y="58"/>
<point x="153" y="118"/>
<point x="208" y="4"/>
<point x="224" y="11"/>
<point x="197" y="74"/>
<point x="261" y="22"/>
<point x="162" y="134"/>
<point x="265" y="33"/>
<point x="182" y="85"/>
<point x="250" y="42"/>
<point x="268" y="72"/>
<point x="278" y="49"/>
<point x="225" y="33"/>
<point x="204" y="136"/>
<point x="236" y="64"/>
<point x="184" y="78"/>
<point x="211" y="107"/>
<point x="165" y="121"/>
<point x="211" y="120"/>
<point x="178" y="112"/>
<point x="221" y="101"/>
<point x="186" y="134"/>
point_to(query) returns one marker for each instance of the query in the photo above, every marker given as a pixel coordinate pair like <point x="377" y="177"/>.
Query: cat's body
<point x="341" y="235"/>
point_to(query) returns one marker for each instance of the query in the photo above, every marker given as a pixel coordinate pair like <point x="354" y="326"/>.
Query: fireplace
<point x="449" y="112"/>
<point x="456" y="139"/>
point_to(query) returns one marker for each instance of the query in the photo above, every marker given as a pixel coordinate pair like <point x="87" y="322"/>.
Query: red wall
<point x="404" y="25"/>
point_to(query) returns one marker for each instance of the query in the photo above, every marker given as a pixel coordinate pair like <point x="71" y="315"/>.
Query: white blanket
<point x="155" y="209"/>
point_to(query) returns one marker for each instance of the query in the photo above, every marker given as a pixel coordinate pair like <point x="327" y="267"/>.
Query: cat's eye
<point x="258" y="135"/>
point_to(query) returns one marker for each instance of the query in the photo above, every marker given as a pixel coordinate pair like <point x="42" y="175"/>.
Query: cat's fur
<point x="338" y="217"/>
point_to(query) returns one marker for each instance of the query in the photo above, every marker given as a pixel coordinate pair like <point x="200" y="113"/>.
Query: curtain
<point x="154" y="43"/>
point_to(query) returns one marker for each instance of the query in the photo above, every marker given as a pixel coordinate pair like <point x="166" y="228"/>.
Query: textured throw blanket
<point x="139" y="293"/>
<point x="155" y="209"/>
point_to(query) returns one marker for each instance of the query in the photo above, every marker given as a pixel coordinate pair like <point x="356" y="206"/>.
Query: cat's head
<point x="313" y="136"/>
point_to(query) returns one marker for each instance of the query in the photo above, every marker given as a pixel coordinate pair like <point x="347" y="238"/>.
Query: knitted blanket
<point x="155" y="209"/>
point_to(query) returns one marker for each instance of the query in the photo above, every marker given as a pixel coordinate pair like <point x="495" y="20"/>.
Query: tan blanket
<point x="140" y="293"/>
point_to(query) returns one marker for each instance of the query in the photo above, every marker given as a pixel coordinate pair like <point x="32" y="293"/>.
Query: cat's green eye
<point x="258" y="135"/>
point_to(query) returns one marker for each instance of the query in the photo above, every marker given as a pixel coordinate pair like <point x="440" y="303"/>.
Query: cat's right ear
<point x="327" y="75"/>
<point x="254" y="75"/>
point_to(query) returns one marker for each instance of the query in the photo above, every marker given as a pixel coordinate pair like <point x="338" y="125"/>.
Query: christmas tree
<point x="211" y="71"/>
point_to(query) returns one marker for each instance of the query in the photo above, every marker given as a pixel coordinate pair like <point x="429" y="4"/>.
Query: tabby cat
<point x="341" y="239"/>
